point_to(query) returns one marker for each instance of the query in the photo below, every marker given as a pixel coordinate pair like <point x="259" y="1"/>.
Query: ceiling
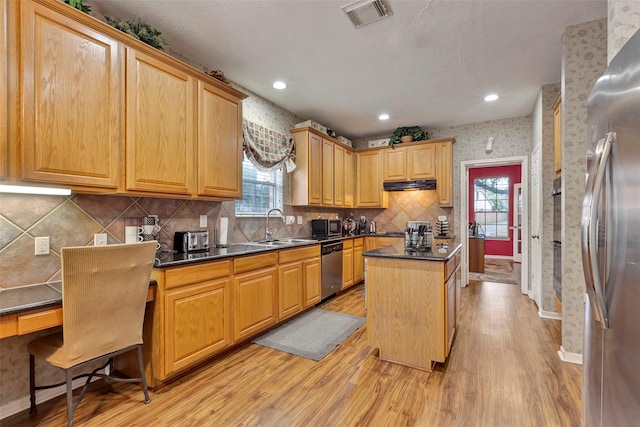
<point x="428" y="64"/>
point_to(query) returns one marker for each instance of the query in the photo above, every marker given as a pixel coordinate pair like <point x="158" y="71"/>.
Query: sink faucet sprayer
<point x="268" y="235"/>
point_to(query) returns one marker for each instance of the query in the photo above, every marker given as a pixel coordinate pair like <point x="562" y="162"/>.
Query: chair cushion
<point x="49" y="348"/>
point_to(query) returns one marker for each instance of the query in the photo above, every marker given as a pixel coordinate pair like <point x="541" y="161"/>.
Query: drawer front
<point x="358" y="241"/>
<point x="450" y="267"/>
<point x="298" y="254"/>
<point x="347" y="243"/>
<point x="40" y="320"/>
<point x="180" y="276"/>
<point x="256" y="262"/>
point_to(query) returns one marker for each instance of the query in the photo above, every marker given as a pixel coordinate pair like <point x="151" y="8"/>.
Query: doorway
<point x="464" y="214"/>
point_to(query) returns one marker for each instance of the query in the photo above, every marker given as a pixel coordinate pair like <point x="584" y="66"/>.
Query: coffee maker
<point x="362" y="225"/>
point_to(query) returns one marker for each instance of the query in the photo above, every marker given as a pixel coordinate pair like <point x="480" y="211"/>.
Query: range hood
<point x="421" y="184"/>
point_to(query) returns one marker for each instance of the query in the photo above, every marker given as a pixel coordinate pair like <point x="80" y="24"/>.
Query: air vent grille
<point x="363" y="12"/>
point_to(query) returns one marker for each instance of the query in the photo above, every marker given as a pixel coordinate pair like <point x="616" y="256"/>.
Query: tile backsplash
<point x="73" y="220"/>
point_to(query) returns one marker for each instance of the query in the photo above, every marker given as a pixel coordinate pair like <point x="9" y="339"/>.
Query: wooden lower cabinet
<point x="290" y="289"/>
<point x="255" y="304"/>
<point x="299" y="279"/>
<point x="311" y="274"/>
<point x="358" y="260"/>
<point x="190" y="318"/>
<point x="197" y="324"/>
<point x="347" y="263"/>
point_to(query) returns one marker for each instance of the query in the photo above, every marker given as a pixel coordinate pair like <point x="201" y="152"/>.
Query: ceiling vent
<point x="363" y="12"/>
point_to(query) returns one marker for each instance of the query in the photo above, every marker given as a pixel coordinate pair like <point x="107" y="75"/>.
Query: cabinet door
<point x="255" y="304"/>
<point x="444" y="173"/>
<point x="197" y="323"/>
<point x="450" y="313"/>
<point x="72" y="88"/>
<point x="338" y="175"/>
<point x="347" y="268"/>
<point x="219" y="149"/>
<point x="315" y="166"/>
<point x="395" y="164"/>
<point x="160" y="123"/>
<point x="327" y="172"/>
<point x="312" y="275"/>
<point x="349" y="178"/>
<point x="370" y="243"/>
<point x="358" y="264"/>
<point x="421" y="161"/>
<point x="290" y="284"/>
<point x="369" y="180"/>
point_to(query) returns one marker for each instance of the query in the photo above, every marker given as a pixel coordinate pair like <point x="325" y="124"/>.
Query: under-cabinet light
<point x="23" y="189"/>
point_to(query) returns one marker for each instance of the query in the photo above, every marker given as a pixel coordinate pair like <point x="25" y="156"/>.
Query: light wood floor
<point x="503" y="371"/>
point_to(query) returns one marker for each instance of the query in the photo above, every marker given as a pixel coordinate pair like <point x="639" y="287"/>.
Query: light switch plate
<point x="290" y="219"/>
<point x="100" y="239"/>
<point x="299" y="220"/>
<point x="203" y="221"/>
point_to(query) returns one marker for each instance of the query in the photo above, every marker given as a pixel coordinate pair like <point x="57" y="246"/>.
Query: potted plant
<point x="407" y="134"/>
<point x="138" y="29"/>
<point x="78" y="4"/>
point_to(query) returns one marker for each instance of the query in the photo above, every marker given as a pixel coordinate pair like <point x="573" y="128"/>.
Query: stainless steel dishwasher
<point x="331" y="268"/>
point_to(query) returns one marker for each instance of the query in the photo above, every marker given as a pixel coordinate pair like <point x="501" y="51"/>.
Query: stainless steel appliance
<point x="325" y="228"/>
<point x="190" y="241"/>
<point x="331" y="281"/>
<point x="610" y="233"/>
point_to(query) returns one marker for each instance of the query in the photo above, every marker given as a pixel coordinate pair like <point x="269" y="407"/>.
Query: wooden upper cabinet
<point x="327" y="172"/>
<point x="219" y="146"/>
<point x="160" y="124"/>
<point x="421" y="161"/>
<point x="557" y="136"/>
<point x="5" y="39"/>
<point x="444" y="172"/>
<point x="369" y="191"/>
<point x="395" y="164"/>
<point x="409" y="163"/>
<point x="349" y="178"/>
<point x="72" y="86"/>
<point x="338" y="175"/>
<point x="306" y="180"/>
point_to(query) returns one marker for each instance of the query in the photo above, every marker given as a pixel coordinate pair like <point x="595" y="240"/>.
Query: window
<point x="491" y="205"/>
<point x="261" y="190"/>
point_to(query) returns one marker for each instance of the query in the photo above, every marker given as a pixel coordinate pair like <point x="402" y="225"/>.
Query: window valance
<point x="267" y="149"/>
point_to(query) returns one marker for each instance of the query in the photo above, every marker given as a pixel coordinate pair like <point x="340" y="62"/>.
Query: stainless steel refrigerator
<point x="611" y="245"/>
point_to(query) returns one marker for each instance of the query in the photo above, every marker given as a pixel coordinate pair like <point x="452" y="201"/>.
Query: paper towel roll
<point x="223" y="225"/>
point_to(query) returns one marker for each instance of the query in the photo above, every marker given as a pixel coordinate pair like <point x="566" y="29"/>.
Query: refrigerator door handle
<point x="589" y="228"/>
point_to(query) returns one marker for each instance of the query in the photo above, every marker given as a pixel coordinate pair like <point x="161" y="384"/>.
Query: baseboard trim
<point x="549" y="315"/>
<point x="565" y="356"/>
<point x="24" y="403"/>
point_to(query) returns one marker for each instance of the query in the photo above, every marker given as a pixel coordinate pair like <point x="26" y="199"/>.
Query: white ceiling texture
<point x="430" y="63"/>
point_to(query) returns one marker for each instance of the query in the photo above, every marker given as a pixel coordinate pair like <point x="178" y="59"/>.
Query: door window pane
<point x="491" y="205"/>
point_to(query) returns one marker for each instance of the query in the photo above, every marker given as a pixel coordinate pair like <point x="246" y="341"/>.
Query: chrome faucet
<point x="268" y="235"/>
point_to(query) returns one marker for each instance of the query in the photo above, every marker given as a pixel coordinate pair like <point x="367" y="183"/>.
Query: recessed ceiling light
<point x="383" y="117"/>
<point x="279" y="85"/>
<point x="491" y="97"/>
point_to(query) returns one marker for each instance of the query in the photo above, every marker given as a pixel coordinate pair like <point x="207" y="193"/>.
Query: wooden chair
<point x="104" y="290"/>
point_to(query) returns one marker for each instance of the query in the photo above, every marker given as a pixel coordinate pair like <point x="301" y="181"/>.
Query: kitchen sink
<point x="280" y="242"/>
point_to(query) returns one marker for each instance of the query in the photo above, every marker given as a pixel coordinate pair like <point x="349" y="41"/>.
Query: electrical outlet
<point x="203" y="221"/>
<point x="100" y="239"/>
<point x="299" y="220"/>
<point x="42" y="245"/>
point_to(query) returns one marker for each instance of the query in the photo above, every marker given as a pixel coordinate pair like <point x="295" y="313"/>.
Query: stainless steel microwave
<point x="324" y="228"/>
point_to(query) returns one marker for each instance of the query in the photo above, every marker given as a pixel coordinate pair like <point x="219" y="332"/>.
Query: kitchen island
<point x="413" y="300"/>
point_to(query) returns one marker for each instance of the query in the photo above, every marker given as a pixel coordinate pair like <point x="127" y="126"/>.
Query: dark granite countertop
<point x="23" y="298"/>
<point x="14" y="300"/>
<point x="440" y="252"/>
